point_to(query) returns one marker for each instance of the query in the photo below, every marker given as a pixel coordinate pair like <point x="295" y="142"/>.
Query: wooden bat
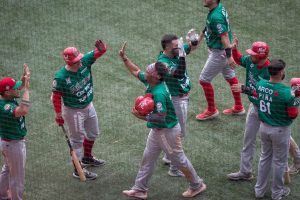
<point x="75" y="160"/>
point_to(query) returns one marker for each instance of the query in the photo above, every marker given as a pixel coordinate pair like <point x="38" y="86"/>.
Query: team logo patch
<point x="276" y="93"/>
<point x="219" y="27"/>
<point x="159" y="106"/>
<point x="68" y="80"/>
<point x="7" y="107"/>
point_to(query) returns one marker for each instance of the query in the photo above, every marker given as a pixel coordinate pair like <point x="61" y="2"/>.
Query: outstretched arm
<point x="100" y="49"/>
<point x="133" y="68"/>
<point x="23" y="108"/>
<point x="235" y="52"/>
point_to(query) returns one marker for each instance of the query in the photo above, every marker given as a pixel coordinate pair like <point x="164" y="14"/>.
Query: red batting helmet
<point x="144" y="104"/>
<point x="295" y="84"/>
<point x="72" y="55"/>
<point x="259" y="49"/>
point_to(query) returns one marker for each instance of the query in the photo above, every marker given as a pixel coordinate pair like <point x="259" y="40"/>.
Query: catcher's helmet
<point x="144" y="104"/>
<point x="72" y="55"/>
<point x="259" y="49"/>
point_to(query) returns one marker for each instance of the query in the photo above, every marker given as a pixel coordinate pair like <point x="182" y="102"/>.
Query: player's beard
<point x="175" y="52"/>
<point x="283" y="76"/>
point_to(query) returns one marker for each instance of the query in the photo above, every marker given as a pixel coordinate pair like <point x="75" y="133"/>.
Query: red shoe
<point x="234" y="111"/>
<point x="135" y="194"/>
<point x="192" y="193"/>
<point x="207" y="115"/>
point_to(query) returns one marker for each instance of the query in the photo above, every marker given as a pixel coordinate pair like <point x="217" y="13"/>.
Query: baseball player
<point x="164" y="134"/>
<point x="73" y="84"/>
<point x="12" y="133"/>
<point x="177" y="80"/>
<point x="256" y="69"/>
<point x="218" y="37"/>
<point x="277" y="109"/>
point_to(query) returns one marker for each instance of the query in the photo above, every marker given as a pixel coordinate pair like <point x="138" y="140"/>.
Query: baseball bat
<point x="75" y="160"/>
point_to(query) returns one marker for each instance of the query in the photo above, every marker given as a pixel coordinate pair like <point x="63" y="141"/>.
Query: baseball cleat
<point x="234" y="111"/>
<point x="285" y="192"/>
<point x="207" y="115"/>
<point x="88" y="175"/>
<point x="190" y="193"/>
<point x="135" y="194"/>
<point x="175" y="173"/>
<point x="294" y="169"/>
<point x="92" y="161"/>
<point x="239" y="176"/>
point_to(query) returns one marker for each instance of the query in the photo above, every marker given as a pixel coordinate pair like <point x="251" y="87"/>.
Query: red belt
<point x="184" y="95"/>
<point x="9" y="140"/>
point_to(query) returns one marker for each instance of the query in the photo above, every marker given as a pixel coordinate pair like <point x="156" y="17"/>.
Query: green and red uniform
<point x="275" y="103"/>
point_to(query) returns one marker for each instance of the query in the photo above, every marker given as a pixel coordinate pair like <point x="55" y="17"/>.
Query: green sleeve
<point x="219" y="26"/>
<point x="244" y="60"/>
<point x="142" y="78"/>
<point x="88" y="59"/>
<point x="58" y="85"/>
<point x="160" y="103"/>
<point x="291" y="100"/>
<point x="187" y="48"/>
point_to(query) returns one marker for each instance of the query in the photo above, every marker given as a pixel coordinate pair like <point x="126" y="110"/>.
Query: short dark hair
<point x="161" y="69"/>
<point x="276" y="66"/>
<point x="218" y="1"/>
<point x="167" y="39"/>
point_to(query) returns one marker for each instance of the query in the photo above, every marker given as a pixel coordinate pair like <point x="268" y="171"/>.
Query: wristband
<point x="25" y="102"/>
<point x="228" y="52"/>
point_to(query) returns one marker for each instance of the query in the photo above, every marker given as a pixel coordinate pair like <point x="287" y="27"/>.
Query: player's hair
<point x="167" y="39"/>
<point x="161" y="69"/>
<point x="276" y="66"/>
<point x="218" y="1"/>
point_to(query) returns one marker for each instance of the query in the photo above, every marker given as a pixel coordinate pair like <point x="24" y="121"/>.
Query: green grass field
<point x="37" y="31"/>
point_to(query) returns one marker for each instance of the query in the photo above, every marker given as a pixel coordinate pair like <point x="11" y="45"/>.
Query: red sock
<point x="236" y="95"/>
<point x="87" y="147"/>
<point x="209" y="95"/>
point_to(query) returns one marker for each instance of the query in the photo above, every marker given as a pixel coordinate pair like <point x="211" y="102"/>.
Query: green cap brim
<point x="18" y="84"/>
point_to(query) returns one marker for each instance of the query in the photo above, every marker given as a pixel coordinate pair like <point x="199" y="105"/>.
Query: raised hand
<point x="122" y="53"/>
<point x="26" y="76"/>
<point x="235" y="41"/>
<point x="100" y="45"/>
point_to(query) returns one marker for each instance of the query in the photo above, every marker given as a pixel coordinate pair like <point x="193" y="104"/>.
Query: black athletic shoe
<point x="92" y="161"/>
<point x="88" y="175"/>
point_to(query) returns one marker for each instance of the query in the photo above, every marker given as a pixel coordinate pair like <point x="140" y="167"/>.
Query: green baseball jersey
<point x="76" y="87"/>
<point x="217" y="23"/>
<point x="176" y="86"/>
<point x="253" y="75"/>
<point x="142" y="78"/>
<point x="11" y="127"/>
<point x="274" y="99"/>
<point x="163" y="103"/>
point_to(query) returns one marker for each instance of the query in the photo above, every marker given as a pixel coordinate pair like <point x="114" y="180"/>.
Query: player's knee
<point x="204" y="83"/>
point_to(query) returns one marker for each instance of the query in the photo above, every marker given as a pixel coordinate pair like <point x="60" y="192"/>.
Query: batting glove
<point x="59" y="120"/>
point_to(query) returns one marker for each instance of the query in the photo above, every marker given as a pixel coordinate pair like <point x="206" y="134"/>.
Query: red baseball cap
<point x="8" y="83"/>
<point x="72" y="55"/>
<point x="259" y="49"/>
